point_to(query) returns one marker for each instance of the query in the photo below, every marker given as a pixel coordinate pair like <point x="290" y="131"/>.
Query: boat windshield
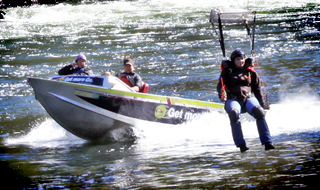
<point x="118" y="84"/>
<point x="109" y="82"/>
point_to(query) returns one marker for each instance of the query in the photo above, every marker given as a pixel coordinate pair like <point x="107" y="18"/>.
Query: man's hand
<point x="223" y="96"/>
<point x="266" y="107"/>
<point x="135" y="88"/>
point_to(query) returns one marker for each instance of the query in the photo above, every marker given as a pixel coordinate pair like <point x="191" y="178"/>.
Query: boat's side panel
<point x="148" y="111"/>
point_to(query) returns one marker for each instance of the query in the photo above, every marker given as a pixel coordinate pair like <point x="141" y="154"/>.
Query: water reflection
<point x="184" y="163"/>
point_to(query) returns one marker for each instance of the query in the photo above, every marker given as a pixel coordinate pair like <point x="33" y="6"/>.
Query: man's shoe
<point x="243" y="148"/>
<point x="268" y="146"/>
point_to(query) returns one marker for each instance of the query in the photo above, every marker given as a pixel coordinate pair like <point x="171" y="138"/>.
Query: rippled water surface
<point x="178" y="54"/>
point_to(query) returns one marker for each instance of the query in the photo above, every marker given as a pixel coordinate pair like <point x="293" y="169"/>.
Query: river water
<point x="178" y="54"/>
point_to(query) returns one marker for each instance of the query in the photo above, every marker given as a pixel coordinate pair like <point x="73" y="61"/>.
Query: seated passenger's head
<point x="128" y="64"/>
<point x="81" y="60"/>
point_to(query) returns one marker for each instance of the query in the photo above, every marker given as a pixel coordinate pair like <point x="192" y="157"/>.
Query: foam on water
<point x="65" y="19"/>
<point x="295" y="114"/>
<point x="46" y="134"/>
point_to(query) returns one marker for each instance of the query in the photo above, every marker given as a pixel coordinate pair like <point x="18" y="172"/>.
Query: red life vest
<point x="144" y="86"/>
<point x="125" y="80"/>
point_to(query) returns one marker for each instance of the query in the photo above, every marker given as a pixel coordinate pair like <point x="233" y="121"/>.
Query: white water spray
<point x="291" y="116"/>
<point x="47" y="134"/>
<point x="295" y="114"/>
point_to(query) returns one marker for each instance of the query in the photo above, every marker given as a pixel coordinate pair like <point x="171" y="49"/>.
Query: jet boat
<point x="93" y="107"/>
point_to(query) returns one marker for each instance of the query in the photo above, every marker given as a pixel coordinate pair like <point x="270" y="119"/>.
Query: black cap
<point x="237" y="53"/>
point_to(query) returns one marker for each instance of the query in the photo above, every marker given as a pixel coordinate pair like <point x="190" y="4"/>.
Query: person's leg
<point x="253" y="107"/>
<point x="233" y="109"/>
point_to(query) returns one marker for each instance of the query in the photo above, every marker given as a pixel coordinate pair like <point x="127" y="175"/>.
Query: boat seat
<point x="144" y="87"/>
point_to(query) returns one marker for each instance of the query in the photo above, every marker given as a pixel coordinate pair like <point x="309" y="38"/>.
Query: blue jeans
<point x="247" y="106"/>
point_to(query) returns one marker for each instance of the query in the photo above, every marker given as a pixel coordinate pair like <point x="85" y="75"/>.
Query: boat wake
<point x="46" y="134"/>
<point x="294" y="116"/>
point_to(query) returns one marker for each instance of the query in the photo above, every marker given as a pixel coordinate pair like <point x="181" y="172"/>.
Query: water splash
<point x="65" y="19"/>
<point x="47" y="134"/>
<point x="294" y="115"/>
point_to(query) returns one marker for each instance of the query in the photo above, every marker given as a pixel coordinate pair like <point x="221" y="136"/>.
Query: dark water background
<point x="176" y="52"/>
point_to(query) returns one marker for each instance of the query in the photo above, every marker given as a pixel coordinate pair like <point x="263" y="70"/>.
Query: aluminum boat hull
<point x="93" y="112"/>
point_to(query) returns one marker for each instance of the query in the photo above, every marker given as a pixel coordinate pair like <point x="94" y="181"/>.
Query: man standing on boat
<point x="128" y="76"/>
<point x="239" y="88"/>
<point x="77" y="68"/>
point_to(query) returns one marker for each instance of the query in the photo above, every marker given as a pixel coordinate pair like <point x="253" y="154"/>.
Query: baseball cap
<point x="128" y="60"/>
<point x="81" y="56"/>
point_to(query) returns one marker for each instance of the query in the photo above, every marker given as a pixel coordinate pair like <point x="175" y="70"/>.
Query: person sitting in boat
<point x="128" y="76"/>
<point x="77" y="68"/>
<point x="239" y="88"/>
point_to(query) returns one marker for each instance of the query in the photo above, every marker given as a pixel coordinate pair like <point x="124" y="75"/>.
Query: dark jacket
<point x="133" y="78"/>
<point x="240" y="83"/>
<point x="69" y="70"/>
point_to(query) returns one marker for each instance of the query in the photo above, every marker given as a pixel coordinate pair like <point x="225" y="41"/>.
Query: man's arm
<point x="67" y="70"/>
